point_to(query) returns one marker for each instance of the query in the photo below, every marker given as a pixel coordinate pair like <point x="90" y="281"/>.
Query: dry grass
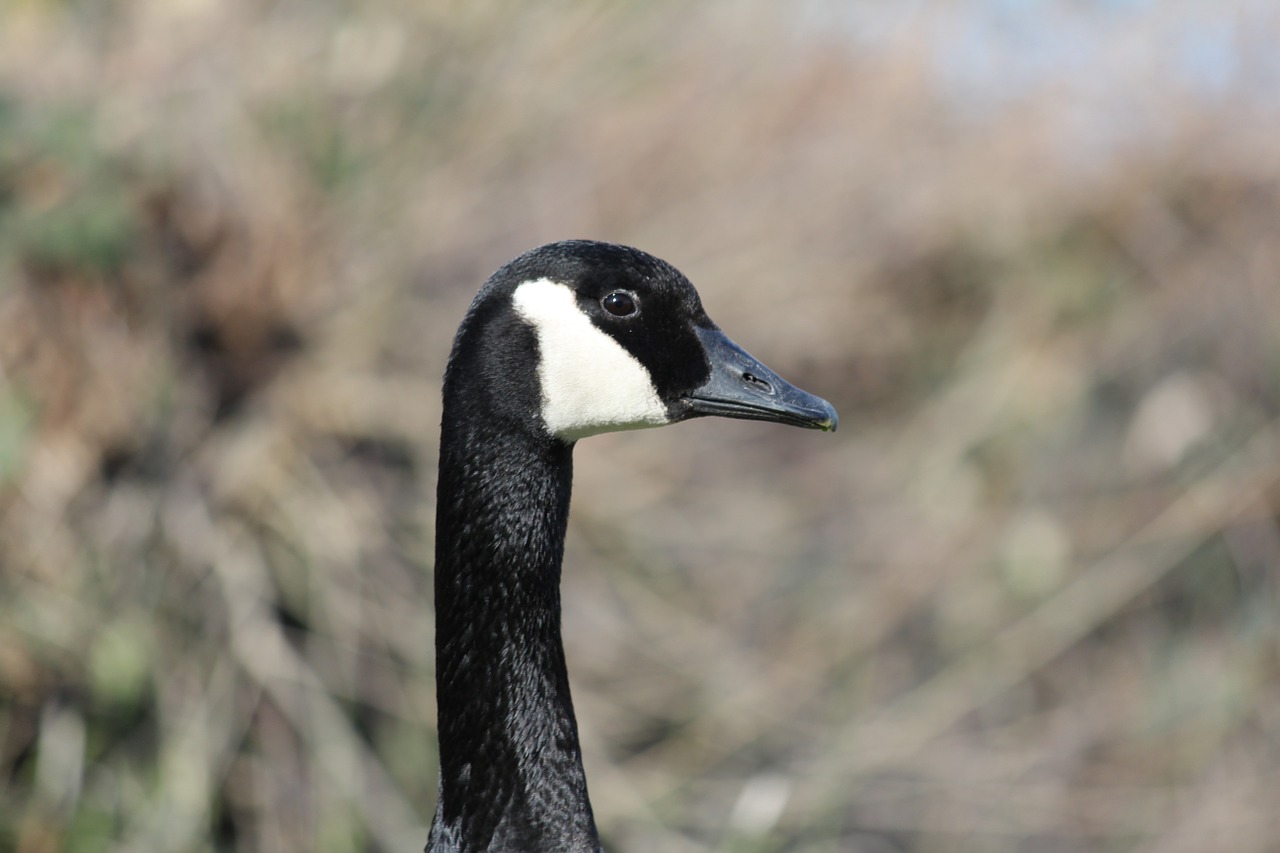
<point x="1027" y="599"/>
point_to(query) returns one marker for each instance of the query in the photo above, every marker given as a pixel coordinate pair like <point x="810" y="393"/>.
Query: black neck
<point x="511" y="773"/>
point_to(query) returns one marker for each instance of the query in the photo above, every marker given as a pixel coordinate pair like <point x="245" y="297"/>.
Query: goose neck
<point x="511" y="767"/>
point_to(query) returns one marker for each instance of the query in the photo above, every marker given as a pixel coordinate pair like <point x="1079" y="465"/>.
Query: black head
<point x="587" y="337"/>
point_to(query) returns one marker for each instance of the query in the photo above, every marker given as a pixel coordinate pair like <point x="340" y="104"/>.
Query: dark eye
<point x="619" y="303"/>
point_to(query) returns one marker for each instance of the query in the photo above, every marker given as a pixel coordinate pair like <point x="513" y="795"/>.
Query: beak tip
<point x="831" y="422"/>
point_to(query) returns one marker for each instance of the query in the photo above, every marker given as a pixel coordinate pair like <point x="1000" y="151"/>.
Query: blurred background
<point x="1027" y="599"/>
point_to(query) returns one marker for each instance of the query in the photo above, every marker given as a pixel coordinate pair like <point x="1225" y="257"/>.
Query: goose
<point x="566" y="341"/>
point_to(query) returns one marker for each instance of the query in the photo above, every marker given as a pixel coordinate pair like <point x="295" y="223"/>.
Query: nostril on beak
<point x="760" y="384"/>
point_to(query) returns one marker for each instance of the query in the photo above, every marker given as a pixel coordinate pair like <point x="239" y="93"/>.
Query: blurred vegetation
<point x="1027" y="599"/>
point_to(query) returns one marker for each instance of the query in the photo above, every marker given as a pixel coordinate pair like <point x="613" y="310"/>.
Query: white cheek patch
<point x="590" y="383"/>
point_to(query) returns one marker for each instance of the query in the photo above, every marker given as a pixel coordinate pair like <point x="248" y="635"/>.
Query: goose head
<point x="579" y="338"/>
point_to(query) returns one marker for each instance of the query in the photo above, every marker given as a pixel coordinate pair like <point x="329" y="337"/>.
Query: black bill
<point x="741" y="387"/>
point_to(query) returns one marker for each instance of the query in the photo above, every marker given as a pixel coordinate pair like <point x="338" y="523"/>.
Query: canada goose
<point x="566" y="341"/>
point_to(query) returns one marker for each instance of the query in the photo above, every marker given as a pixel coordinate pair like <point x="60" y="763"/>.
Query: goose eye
<point x="619" y="303"/>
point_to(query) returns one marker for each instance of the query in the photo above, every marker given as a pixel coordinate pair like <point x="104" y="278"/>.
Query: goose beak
<point x="741" y="387"/>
